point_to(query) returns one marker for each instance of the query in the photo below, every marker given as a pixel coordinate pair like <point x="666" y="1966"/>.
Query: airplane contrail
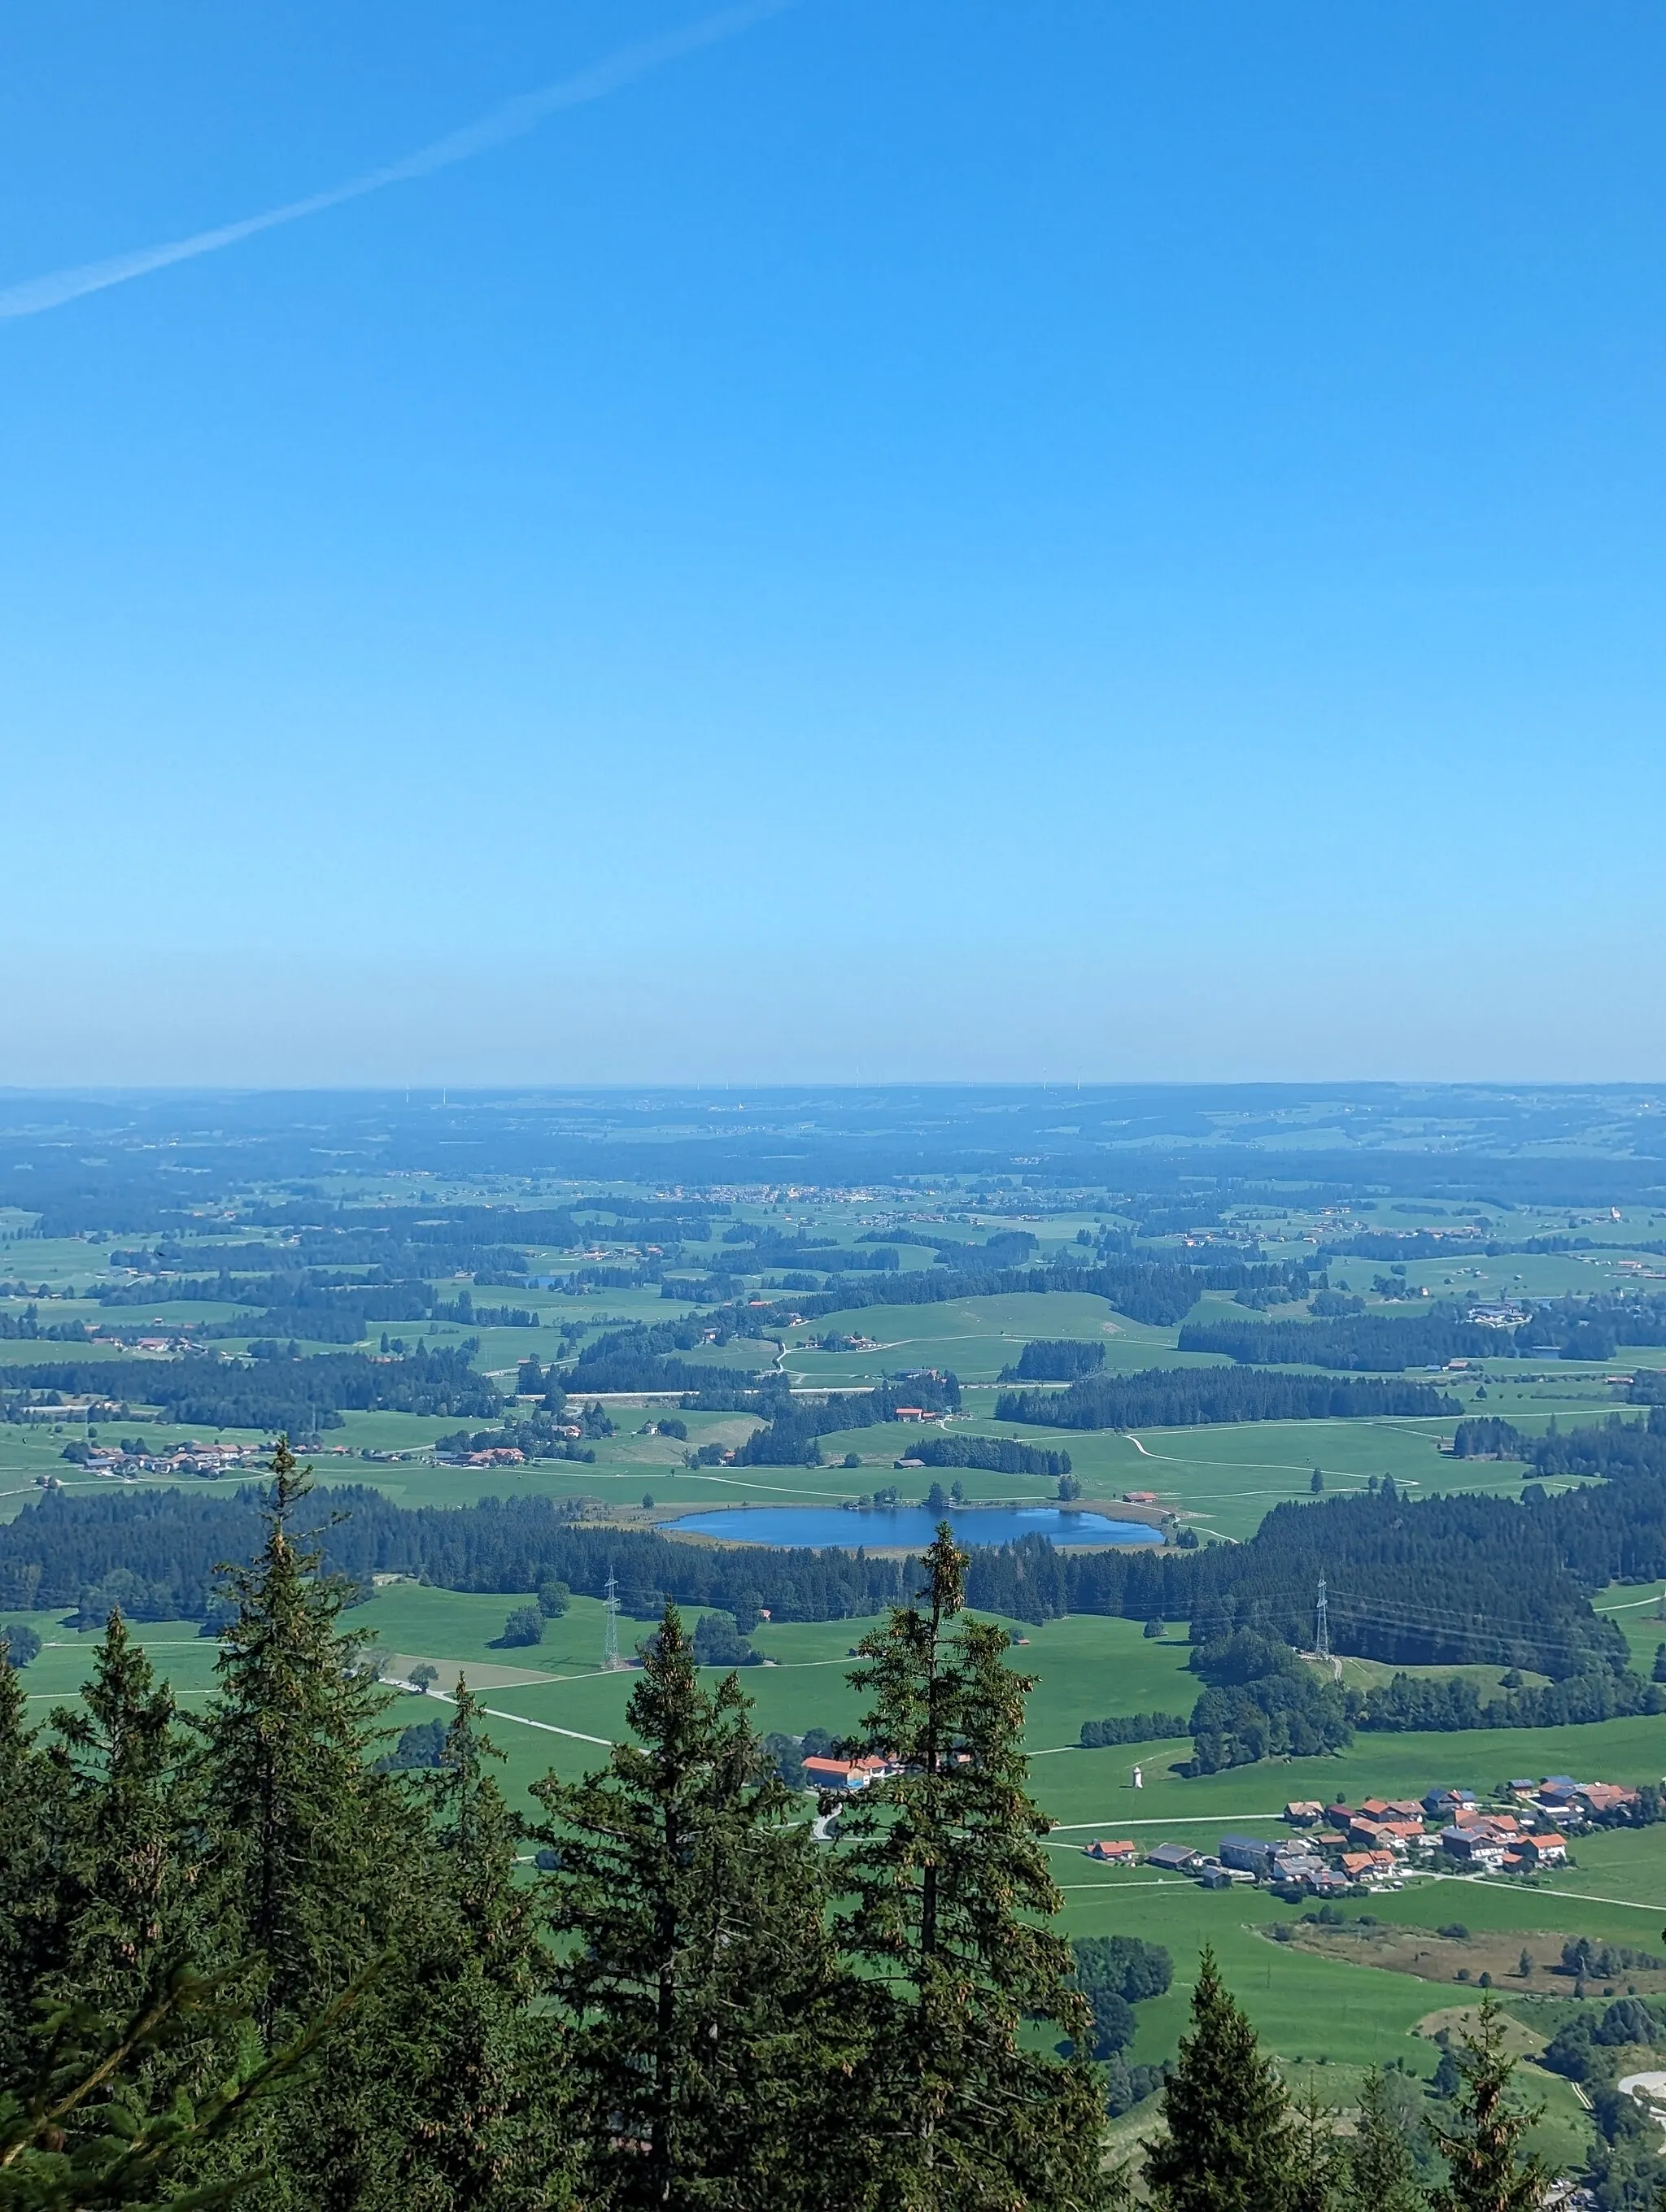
<point x="511" y="120"/>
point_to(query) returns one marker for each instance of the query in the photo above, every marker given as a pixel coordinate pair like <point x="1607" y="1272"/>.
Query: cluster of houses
<point x="186" y="1458"/>
<point x="1337" y="1847"/>
<point x="156" y="1345"/>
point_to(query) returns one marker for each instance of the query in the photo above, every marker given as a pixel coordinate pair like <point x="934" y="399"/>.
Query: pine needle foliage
<point x="1229" y="2142"/>
<point x="1487" y="2169"/>
<point x="948" y="1898"/>
<point x="297" y="1818"/>
<point x="86" y="2130"/>
<point x="127" y="1861"/>
<point x="1382" y="2170"/>
<point x="692" y="1976"/>
<point x="465" y="2106"/>
<point x="31" y="1906"/>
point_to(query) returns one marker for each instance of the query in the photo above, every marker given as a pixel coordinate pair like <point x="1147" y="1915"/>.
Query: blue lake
<point x="815" y="1528"/>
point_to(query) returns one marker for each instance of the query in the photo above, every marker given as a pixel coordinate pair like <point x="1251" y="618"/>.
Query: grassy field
<point x="977" y="1337"/>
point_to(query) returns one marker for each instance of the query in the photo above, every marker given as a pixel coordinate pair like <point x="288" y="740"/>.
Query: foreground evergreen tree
<point x="31" y="1911"/>
<point x="88" y="2128"/>
<point x="469" y="2132"/>
<point x="1229" y="2140"/>
<point x="303" y="1836"/>
<point x="126" y="1868"/>
<point x="1319" y="2172"/>
<point x="314" y="1863"/>
<point x="692" y="1973"/>
<point x="954" y="2105"/>
<point x="1382" y="2167"/>
<point x="1487" y="2169"/>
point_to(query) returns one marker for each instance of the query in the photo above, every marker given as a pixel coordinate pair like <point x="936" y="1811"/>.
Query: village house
<point x="1600" y="1798"/>
<point x="1441" y="1804"/>
<point x="845" y="1773"/>
<point x="1247" y="1854"/>
<point x="1541" y="1851"/>
<point x="1175" y="1858"/>
<point x="1366" y="1865"/>
<point x="1474" y="1845"/>
<point x="1116" y="1854"/>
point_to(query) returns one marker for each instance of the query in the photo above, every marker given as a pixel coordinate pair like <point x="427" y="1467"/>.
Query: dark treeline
<point x="1159" y="1293"/>
<point x="1410" y="1244"/>
<point x="1005" y="1247"/>
<point x="1484" y="1439"/>
<point x="882" y="1260"/>
<point x="1133" y="1728"/>
<point x="398" y="1249"/>
<point x="1424" y="1703"/>
<point x="652" y="1372"/>
<point x="1595" y="1327"/>
<point x="1261" y="1702"/>
<point x="299" y="1397"/>
<point x="155" y="1552"/>
<point x="254" y="1959"/>
<point x="1054" y="1359"/>
<point x="1447" y="1582"/>
<point x="1369" y="1342"/>
<point x="997" y="1455"/>
<point x="169" y="1256"/>
<point x="310" y="1292"/>
<point x="1183" y="1397"/>
<point x="27" y="1328"/>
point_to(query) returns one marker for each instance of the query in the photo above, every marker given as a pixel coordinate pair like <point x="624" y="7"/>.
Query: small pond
<point x="816" y="1527"/>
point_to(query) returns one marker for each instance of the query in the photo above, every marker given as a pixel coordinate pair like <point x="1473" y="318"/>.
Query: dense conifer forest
<point x="1182" y="1397"/>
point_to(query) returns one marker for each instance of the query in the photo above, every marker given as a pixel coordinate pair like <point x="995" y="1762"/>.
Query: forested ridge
<point x="1157" y="1292"/>
<point x="281" y="1395"/>
<point x="1184" y="1397"/>
<point x="1377" y="1342"/>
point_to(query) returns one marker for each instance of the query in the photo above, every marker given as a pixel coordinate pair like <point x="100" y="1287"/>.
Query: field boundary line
<point x="1178" y="1821"/>
<point x="549" y="1727"/>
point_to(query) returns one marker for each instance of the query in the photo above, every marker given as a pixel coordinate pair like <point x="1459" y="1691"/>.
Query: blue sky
<point x="915" y="540"/>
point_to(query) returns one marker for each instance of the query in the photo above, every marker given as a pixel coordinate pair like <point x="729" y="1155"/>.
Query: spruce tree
<point x="1487" y="2171"/>
<point x="691" y="1968"/>
<point x="92" y="2127"/>
<point x="31" y="1911"/>
<point x="127" y="1873"/>
<point x="303" y="1836"/>
<point x="954" y="2105"/>
<point x="1382" y="2170"/>
<point x="1228" y="2140"/>
<point x="470" y="2134"/>
<point x="1319" y="2172"/>
<point x="313" y="1869"/>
